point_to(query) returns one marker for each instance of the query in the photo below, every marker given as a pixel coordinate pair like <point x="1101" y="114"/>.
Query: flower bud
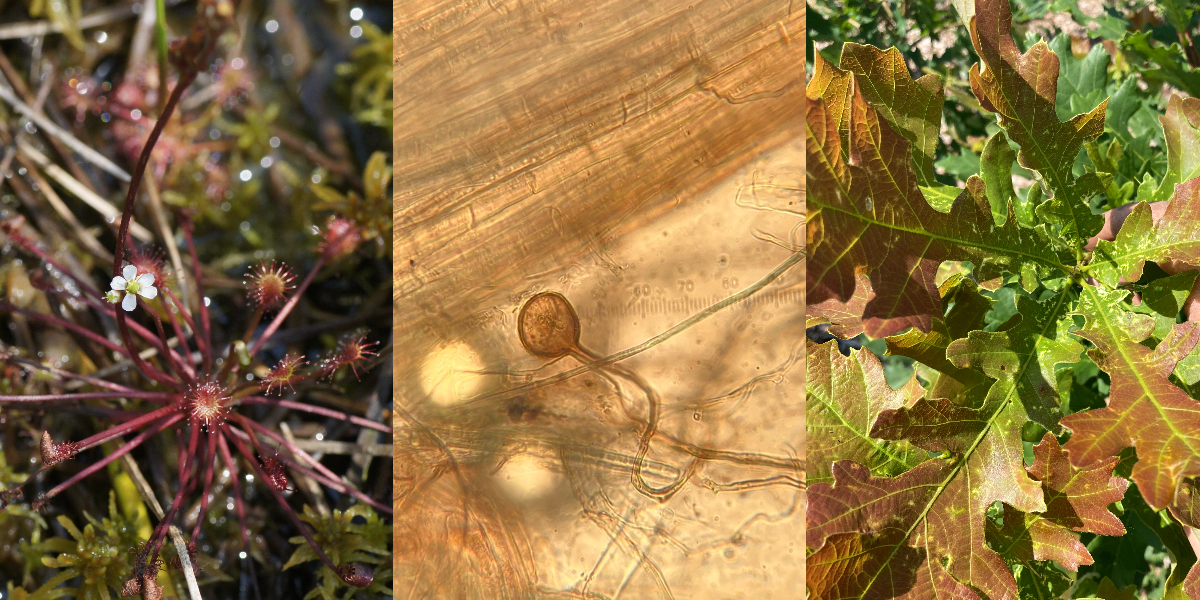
<point x="52" y="453"/>
<point x="341" y="238"/>
<point x="355" y="574"/>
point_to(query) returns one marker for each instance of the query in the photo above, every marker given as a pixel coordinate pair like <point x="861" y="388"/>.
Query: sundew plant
<point x="1033" y="427"/>
<point x="231" y="362"/>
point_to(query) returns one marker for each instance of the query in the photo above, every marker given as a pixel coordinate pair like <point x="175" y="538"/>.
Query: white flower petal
<point x="148" y="291"/>
<point x="129" y="303"/>
<point x="146" y="279"/>
<point x="119" y="283"/>
<point x="130" y="272"/>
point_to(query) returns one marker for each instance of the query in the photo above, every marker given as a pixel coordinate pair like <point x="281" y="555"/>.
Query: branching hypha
<point x="193" y="386"/>
<point x="991" y="472"/>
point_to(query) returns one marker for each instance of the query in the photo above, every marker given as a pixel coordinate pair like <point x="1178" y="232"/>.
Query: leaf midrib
<point x="933" y="236"/>
<point x="971" y="450"/>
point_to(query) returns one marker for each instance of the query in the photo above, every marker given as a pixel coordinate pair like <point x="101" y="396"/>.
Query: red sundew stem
<point x="185" y="78"/>
<point x="90" y="396"/>
<point x="210" y="455"/>
<point x="138" y="363"/>
<point x="175" y="361"/>
<point x="90" y="380"/>
<point x="187" y="318"/>
<point x="321" y="474"/>
<point x="287" y="308"/>
<point x="183" y="344"/>
<point x="123" y="428"/>
<point x="150" y="371"/>
<point x="226" y="456"/>
<point x="231" y="363"/>
<point x="287" y="508"/>
<point x="186" y="226"/>
<point x="254" y="321"/>
<point x="186" y="483"/>
<point x="110" y="310"/>
<point x="123" y="450"/>
<point x="318" y="411"/>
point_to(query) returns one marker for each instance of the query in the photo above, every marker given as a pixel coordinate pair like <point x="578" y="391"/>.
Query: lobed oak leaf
<point x="1145" y="410"/>
<point x="1078" y="499"/>
<point x="868" y="216"/>
<point x="967" y="309"/>
<point x="909" y="535"/>
<point x="1023" y="357"/>
<point x="1175" y="237"/>
<point x="1023" y="89"/>
<point x="912" y="108"/>
<point x="844" y="318"/>
<point x="843" y="396"/>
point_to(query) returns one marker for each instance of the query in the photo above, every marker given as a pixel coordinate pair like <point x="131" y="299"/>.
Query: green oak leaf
<point x="912" y="108"/>
<point x="1022" y="359"/>
<point x="995" y="168"/>
<point x="888" y="230"/>
<point x="844" y="395"/>
<point x="1176" y="237"/>
<point x="1145" y="410"/>
<point x="1078" y="80"/>
<point x="1023" y="89"/>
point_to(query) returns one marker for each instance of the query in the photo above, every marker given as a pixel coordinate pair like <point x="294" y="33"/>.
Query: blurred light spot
<point x="356" y="32"/>
<point x="244" y="175"/>
<point x="237" y="64"/>
<point x="272" y="26"/>
<point x="135" y="114"/>
<point x="101" y="37"/>
<point x="526" y="477"/>
<point x="356" y="14"/>
<point x="266" y="162"/>
<point x="274" y="141"/>
<point x="453" y="373"/>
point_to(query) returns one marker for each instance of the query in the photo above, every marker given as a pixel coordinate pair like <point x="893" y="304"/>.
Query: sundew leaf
<point x="869" y="216"/>
<point x="844" y="395"/>
<point x="1176" y="237"/>
<point x="1023" y="89"/>
<point x="1145" y="410"/>
<point x="912" y="108"/>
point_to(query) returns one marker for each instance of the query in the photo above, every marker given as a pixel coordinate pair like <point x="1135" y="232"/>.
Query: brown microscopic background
<point x="644" y="159"/>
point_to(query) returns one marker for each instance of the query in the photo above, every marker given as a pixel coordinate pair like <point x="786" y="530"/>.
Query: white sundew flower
<point x="133" y="285"/>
